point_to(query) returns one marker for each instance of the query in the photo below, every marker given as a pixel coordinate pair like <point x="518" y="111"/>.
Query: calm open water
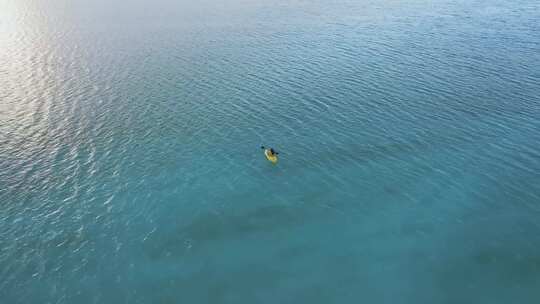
<point x="131" y="169"/>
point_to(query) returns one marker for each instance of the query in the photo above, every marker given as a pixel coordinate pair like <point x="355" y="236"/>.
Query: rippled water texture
<point x="131" y="169"/>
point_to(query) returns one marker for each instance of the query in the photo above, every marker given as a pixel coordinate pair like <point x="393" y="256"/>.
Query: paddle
<point x="276" y="153"/>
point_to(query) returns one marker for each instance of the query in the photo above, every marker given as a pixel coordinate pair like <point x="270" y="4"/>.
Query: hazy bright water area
<point x="131" y="168"/>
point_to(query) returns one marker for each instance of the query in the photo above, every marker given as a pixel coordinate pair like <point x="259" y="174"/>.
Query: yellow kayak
<point x="271" y="158"/>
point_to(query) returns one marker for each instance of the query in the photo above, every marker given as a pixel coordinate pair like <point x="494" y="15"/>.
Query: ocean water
<point x="131" y="168"/>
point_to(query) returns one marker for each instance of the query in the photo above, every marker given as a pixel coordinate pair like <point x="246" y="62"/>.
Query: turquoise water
<point x="131" y="169"/>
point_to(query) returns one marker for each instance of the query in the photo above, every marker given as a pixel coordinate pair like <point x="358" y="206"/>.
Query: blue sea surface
<point x="131" y="168"/>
